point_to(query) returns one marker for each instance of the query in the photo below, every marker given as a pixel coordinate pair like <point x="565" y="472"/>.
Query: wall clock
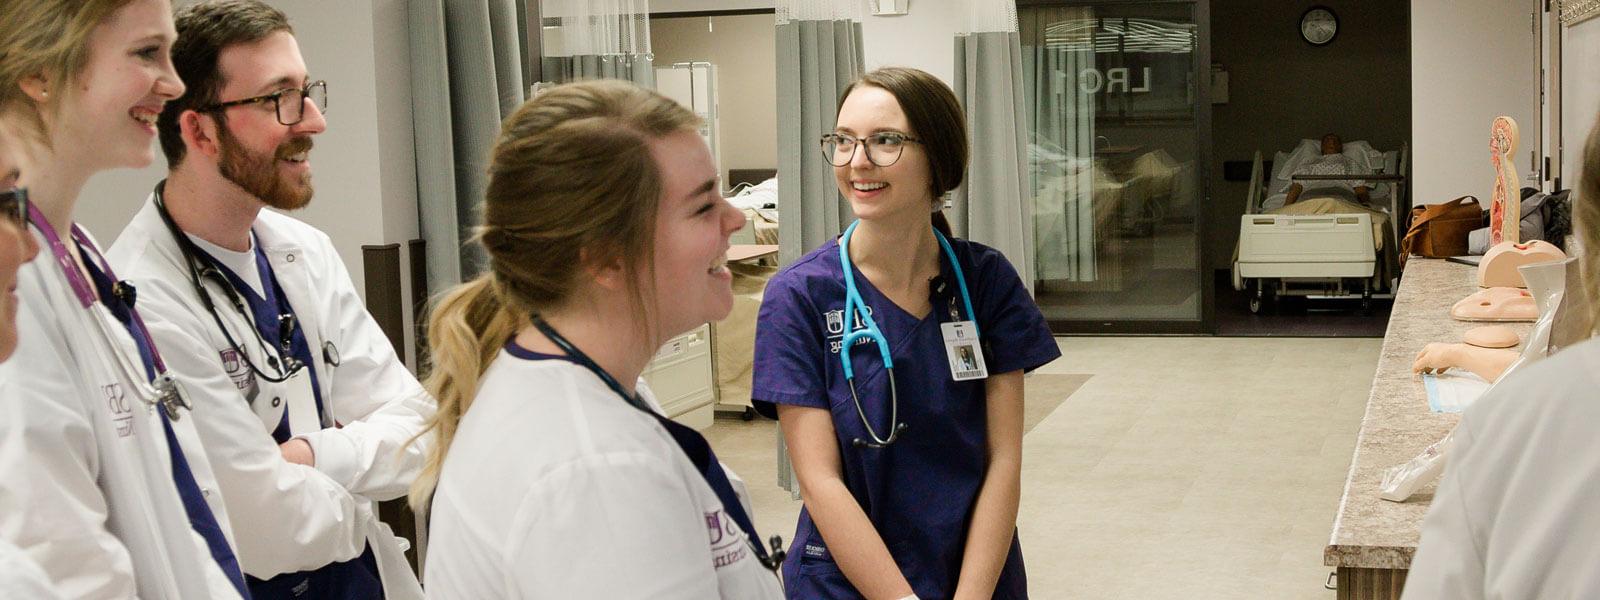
<point x="1319" y="25"/>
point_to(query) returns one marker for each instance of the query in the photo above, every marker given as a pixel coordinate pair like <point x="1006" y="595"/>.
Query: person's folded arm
<point x="378" y="404"/>
<point x="284" y="517"/>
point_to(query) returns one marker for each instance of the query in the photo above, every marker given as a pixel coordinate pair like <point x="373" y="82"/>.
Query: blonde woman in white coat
<point x="105" y="485"/>
<point x="554" y="475"/>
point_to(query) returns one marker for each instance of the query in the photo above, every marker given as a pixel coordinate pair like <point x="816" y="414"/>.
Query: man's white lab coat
<point x="287" y="517"/>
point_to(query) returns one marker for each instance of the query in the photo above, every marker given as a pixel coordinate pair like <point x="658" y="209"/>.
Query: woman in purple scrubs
<point x="911" y="481"/>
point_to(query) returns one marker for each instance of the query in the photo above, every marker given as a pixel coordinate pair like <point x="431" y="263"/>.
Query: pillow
<point x="1361" y="153"/>
<point x="1284" y="165"/>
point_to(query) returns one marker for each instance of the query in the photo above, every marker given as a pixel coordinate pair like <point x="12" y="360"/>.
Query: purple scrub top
<point x="920" y="491"/>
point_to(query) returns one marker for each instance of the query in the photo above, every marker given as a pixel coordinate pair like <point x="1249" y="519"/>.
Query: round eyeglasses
<point x="14" y="206"/>
<point x="290" y="104"/>
<point x="883" y="149"/>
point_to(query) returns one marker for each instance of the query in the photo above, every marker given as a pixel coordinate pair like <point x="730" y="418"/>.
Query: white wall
<point x="743" y="48"/>
<point x="363" y="165"/>
<point x="923" y="38"/>
<point x="1580" y="94"/>
<point x="1471" y="61"/>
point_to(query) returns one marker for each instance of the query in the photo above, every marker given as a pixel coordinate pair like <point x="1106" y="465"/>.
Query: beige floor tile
<point x="1184" y="468"/>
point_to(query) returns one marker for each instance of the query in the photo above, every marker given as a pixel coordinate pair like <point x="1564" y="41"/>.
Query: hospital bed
<point x="1320" y="256"/>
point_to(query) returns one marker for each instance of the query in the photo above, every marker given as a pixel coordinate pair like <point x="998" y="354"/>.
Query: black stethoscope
<point x="692" y="443"/>
<point x="284" y="364"/>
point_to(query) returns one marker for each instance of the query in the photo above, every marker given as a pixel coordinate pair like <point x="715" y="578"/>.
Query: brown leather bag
<point x="1440" y="230"/>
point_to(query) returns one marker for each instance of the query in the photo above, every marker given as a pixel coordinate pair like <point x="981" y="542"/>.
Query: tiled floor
<point x="1186" y="468"/>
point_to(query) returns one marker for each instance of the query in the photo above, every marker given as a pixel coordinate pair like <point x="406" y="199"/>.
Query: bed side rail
<point x="1254" y="200"/>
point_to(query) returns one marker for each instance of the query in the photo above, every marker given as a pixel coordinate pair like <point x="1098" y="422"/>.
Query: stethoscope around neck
<point x="284" y="364"/>
<point x="854" y="305"/>
<point x="160" y="389"/>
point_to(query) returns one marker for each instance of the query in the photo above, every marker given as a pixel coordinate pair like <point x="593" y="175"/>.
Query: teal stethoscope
<point x="854" y="305"/>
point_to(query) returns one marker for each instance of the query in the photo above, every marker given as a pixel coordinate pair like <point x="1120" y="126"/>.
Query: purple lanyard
<point x="81" y="286"/>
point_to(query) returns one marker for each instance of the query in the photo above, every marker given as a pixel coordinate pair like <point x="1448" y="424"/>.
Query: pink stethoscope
<point x="162" y="390"/>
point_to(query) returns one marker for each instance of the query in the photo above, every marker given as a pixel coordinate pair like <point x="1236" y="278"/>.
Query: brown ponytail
<point x="465" y="332"/>
<point x="942" y="224"/>
<point x="571" y="183"/>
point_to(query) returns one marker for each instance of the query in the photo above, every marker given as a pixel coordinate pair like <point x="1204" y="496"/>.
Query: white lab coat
<point x="287" y="517"/>
<point x="20" y="578"/>
<point x="86" y="484"/>
<point x="555" y="488"/>
<point x="1517" y="514"/>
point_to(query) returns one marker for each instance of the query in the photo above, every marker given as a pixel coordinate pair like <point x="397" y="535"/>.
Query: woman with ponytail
<point x="895" y="355"/>
<point x="554" y="474"/>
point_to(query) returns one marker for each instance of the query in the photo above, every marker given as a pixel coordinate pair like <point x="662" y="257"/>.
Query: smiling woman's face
<point x="875" y="191"/>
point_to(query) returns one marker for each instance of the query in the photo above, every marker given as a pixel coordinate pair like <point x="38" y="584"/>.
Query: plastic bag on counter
<point x="1400" y="482"/>
<point x="1572" y="322"/>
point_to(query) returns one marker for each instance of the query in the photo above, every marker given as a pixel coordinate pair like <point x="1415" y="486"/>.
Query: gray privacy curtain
<point x="993" y="205"/>
<point x="638" y="68"/>
<point x="467" y="73"/>
<point x="816" y="60"/>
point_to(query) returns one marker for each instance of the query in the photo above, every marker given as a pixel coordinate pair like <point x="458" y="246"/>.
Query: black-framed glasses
<point x="883" y="149"/>
<point x="290" y="104"/>
<point x="14" y="206"/>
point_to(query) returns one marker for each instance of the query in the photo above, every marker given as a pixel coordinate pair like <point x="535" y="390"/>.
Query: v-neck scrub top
<point x="920" y="491"/>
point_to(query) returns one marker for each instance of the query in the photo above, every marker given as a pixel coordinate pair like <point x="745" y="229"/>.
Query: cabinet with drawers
<point x="681" y="377"/>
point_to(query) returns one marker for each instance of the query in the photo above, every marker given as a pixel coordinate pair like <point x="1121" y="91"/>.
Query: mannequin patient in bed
<point x="1342" y="196"/>
<point x="1332" y="162"/>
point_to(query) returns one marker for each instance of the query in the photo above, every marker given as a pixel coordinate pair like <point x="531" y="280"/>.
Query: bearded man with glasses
<point x="300" y="401"/>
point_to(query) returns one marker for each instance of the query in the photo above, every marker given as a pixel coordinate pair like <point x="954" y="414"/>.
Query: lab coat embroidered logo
<point x="117" y="403"/>
<point x="727" y="543"/>
<point x="237" y="370"/>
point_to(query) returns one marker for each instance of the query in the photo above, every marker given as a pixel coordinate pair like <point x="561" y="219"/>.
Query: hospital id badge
<point x="961" y="347"/>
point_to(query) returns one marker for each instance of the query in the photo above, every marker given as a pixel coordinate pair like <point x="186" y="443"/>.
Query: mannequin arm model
<point x="1487" y="363"/>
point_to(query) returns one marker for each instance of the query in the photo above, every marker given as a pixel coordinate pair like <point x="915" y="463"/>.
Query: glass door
<point x="1116" y="154"/>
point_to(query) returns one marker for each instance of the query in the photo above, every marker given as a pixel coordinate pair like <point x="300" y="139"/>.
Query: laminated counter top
<point x="1374" y="539"/>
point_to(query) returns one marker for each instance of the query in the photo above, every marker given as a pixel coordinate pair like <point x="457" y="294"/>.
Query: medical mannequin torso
<point x="290" y="518"/>
<point x="556" y="487"/>
<point x="1515" y="515"/>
